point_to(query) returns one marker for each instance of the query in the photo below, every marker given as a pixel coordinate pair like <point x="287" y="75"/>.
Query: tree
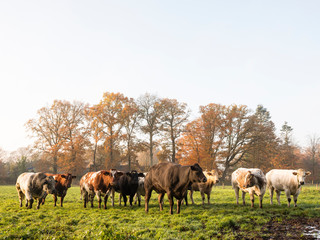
<point x="313" y="155"/>
<point x="49" y="132"/>
<point x="238" y="137"/>
<point x="173" y="118"/>
<point x="150" y="110"/>
<point x="110" y="113"/>
<point x="265" y="146"/>
<point x="131" y="117"/>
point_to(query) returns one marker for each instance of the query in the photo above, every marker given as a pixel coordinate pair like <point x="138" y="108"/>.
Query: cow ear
<point x="140" y="175"/>
<point x="128" y="173"/>
<point x="308" y="173"/>
<point x="74" y="176"/>
<point x="295" y="173"/>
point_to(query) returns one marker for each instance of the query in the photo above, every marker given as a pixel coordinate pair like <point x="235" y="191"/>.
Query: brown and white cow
<point x="289" y="181"/>
<point x="63" y="182"/>
<point x="205" y="188"/>
<point x="34" y="186"/>
<point x="96" y="183"/>
<point x="173" y="179"/>
<point x="249" y="180"/>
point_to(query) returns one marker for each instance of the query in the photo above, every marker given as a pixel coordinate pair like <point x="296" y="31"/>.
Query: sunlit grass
<point x="223" y="218"/>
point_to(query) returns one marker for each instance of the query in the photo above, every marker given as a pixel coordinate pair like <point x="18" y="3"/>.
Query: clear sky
<point x="198" y="52"/>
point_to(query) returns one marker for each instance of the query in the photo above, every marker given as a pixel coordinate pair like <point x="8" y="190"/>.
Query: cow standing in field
<point x="116" y="186"/>
<point x="34" y="186"/>
<point x="128" y="184"/>
<point x="205" y="188"/>
<point x="63" y="182"/>
<point x="250" y="181"/>
<point x="172" y="179"/>
<point x="289" y="181"/>
<point x="140" y="190"/>
<point x="96" y="183"/>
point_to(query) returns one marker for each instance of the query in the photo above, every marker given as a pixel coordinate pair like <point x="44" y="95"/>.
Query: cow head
<point x="133" y="175"/>
<point x="301" y="175"/>
<point x="212" y="176"/>
<point x="249" y="180"/>
<point x="196" y="174"/>
<point x="49" y="185"/>
<point x="67" y="179"/>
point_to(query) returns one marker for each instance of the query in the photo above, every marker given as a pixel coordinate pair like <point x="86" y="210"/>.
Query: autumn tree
<point x="238" y="137"/>
<point x="131" y="116"/>
<point x="150" y="110"/>
<point x="49" y="131"/>
<point x="173" y="119"/>
<point x="110" y="113"/>
<point x="75" y="137"/>
<point x="313" y="156"/>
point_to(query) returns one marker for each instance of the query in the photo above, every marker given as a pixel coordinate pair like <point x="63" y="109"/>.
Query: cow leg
<point x="105" y="200"/>
<point x="203" y="197"/>
<point x="185" y="198"/>
<point x="139" y="199"/>
<point x="30" y="203"/>
<point x="146" y="199"/>
<point x="252" y="199"/>
<point x="85" y="199"/>
<point x="98" y="194"/>
<point x="160" y="200"/>
<point x="243" y="198"/>
<point x="278" y="196"/>
<point x="38" y="203"/>
<point x="288" y="197"/>
<point x="125" y="199"/>
<point x="260" y="201"/>
<point x="131" y="199"/>
<point x="236" y="191"/>
<point x="191" y="196"/>
<point x="120" y="199"/>
<point x="91" y="196"/>
<point x="208" y="196"/>
<point x="112" y="197"/>
<point x="295" y="198"/>
<point x="271" y="190"/>
<point x="179" y="205"/>
<point x="55" y="198"/>
<point x="170" y="197"/>
<point x="21" y="197"/>
<point x="61" y="200"/>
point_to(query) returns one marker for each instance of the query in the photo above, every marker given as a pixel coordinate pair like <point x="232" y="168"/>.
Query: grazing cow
<point x="63" y="182"/>
<point x="34" y="186"/>
<point x="289" y="181"/>
<point x="172" y="179"/>
<point x="205" y="188"/>
<point x="128" y="184"/>
<point x="140" y="190"/>
<point x="251" y="180"/>
<point x="96" y="183"/>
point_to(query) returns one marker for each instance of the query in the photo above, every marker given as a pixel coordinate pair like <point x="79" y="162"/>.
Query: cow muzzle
<point x="204" y="179"/>
<point x="301" y="183"/>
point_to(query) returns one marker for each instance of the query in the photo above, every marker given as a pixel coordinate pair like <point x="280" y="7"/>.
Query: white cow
<point x="249" y="180"/>
<point x="289" y="181"/>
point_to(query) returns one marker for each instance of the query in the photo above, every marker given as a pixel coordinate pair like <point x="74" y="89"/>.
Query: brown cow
<point x="96" y="183"/>
<point x="172" y="179"/>
<point x="63" y="182"/>
<point x="205" y="188"/>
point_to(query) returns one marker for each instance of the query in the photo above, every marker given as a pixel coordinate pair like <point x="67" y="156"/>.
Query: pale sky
<point x="198" y="52"/>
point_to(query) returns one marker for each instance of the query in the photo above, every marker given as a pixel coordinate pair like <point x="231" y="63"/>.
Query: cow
<point x="140" y="190"/>
<point x="115" y="186"/>
<point x="63" y="182"/>
<point x="289" y="181"/>
<point x="34" y="186"/>
<point x="204" y="188"/>
<point x="128" y="184"/>
<point x="249" y="180"/>
<point x="173" y="179"/>
<point x="96" y="183"/>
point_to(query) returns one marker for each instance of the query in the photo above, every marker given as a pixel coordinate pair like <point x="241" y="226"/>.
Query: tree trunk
<point x="151" y="150"/>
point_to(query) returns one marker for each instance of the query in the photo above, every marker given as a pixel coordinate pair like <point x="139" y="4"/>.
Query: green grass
<point x="222" y="219"/>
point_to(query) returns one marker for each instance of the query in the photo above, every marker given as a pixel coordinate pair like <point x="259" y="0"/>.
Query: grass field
<point x="223" y="219"/>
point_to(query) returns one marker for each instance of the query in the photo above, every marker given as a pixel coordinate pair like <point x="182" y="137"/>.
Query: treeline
<point x="126" y="133"/>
